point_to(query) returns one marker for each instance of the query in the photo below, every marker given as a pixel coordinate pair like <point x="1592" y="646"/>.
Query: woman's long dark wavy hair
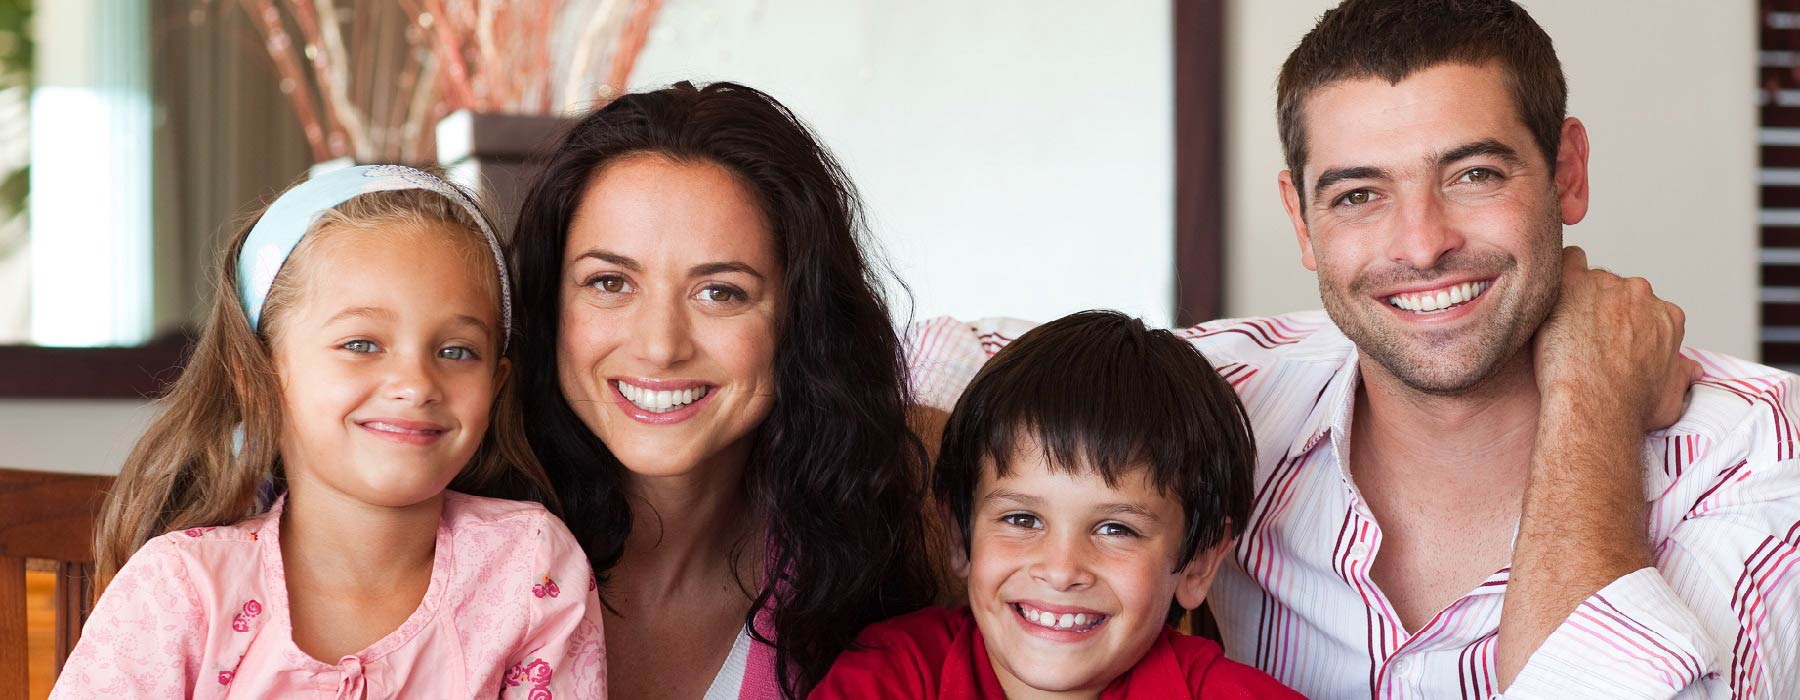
<point x="835" y="474"/>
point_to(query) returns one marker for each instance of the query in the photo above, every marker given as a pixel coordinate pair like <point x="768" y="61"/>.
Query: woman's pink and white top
<point x="511" y="612"/>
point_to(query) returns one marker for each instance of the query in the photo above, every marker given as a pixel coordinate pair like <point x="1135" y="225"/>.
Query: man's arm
<point x="1608" y="369"/>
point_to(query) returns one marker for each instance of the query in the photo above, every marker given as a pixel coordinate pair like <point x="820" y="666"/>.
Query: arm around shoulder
<point x="1718" y="615"/>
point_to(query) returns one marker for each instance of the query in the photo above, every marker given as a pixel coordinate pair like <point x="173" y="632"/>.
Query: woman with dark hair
<point x="714" y="385"/>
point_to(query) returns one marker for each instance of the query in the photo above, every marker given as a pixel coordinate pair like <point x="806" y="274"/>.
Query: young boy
<point x="1095" y="469"/>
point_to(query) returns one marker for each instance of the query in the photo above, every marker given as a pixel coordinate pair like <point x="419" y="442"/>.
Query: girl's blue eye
<point x="1116" y="530"/>
<point x="360" y="346"/>
<point x="456" y="353"/>
<point x="1024" y="520"/>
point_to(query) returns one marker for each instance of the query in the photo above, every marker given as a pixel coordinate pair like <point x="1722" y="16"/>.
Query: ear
<point x="957" y="556"/>
<point x="1572" y="171"/>
<point x="1296" y="211"/>
<point x="502" y="372"/>
<point x="1197" y="578"/>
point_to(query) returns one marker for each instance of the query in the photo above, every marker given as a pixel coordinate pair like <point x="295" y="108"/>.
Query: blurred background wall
<point x="1015" y="156"/>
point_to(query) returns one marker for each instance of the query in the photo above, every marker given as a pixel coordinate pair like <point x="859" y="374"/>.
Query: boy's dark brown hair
<point x="1099" y="392"/>
<point x="1393" y="39"/>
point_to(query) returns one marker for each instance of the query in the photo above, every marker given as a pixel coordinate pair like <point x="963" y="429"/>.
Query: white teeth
<point x="660" y="401"/>
<point x="1429" y="302"/>
<point x="1060" y="622"/>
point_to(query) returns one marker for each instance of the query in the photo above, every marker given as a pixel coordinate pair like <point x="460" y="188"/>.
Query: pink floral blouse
<point x="511" y="612"/>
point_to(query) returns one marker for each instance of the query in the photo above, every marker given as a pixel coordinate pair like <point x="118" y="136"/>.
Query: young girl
<point x="352" y="358"/>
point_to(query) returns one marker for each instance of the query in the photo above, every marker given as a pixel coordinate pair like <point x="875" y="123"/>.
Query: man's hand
<point x="1613" y="348"/>
<point x="1609" y="368"/>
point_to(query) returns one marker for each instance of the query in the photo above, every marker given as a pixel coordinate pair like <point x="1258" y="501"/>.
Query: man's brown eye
<point x="1480" y="175"/>
<point x="1357" y="197"/>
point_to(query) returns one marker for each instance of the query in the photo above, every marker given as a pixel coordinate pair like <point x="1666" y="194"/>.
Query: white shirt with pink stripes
<point x="1717" y="616"/>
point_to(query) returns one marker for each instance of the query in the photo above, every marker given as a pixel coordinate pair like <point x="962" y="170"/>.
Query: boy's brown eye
<point x="1024" y="520"/>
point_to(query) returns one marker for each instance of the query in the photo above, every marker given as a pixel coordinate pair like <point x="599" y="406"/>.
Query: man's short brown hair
<point x="1393" y="39"/>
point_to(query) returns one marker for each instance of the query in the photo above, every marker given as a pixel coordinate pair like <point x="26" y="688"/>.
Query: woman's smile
<point x="660" y="401"/>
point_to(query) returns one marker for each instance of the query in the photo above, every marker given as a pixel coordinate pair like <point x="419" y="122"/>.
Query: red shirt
<point x="939" y="653"/>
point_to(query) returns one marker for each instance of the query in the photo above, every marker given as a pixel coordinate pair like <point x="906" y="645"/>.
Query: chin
<point x="1053" y="679"/>
<point x="647" y="461"/>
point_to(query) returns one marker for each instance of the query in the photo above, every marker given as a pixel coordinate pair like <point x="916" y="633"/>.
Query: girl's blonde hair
<point x="185" y="471"/>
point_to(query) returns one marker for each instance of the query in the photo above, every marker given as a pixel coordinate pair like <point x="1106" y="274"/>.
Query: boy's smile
<point x="1070" y="579"/>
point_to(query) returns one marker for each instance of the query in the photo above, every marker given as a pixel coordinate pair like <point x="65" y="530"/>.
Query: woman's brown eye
<point x="612" y="284"/>
<point x="719" y="295"/>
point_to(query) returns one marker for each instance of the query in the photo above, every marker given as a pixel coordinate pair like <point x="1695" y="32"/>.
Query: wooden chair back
<point x="47" y="518"/>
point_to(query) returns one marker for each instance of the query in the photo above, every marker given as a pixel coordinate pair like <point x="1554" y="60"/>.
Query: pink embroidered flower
<point x="240" y="623"/>
<point x="538" y="693"/>
<point x="546" y="588"/>
<point x="253" y="608"/>
<point x="225" y="677"/>
<point x="196" y="531"/>
<point x="515" y="675"/>
<point x="593" y="582"/>
<point x="538" y="673"/>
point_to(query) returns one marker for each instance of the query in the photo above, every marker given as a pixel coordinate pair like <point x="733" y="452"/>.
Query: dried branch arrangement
<point x="369" y="79"/>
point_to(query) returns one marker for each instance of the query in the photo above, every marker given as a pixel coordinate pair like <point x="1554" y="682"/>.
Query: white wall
<point x="1668" y="96"/>
<point x="89" y="436"/>
<point x="1014" y="154"/>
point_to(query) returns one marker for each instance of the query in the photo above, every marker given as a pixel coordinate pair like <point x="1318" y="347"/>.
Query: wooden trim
<point x="143" y="371"/>
<point x="13" y="670"/>
<point x="74" y="602"/>
<point x="1199" y="50"/>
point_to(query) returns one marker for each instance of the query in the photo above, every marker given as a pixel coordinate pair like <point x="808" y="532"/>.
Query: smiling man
<point x="1476" y="471"/>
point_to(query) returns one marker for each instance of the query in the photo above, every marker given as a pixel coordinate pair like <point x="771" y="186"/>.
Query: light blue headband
<point x="295" y="212"/>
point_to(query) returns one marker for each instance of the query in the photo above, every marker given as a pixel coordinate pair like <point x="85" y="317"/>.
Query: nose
<point x="1423" y="234"/>
<point x="661" y="334"/>
<point x="414" y="380"/>
<point x="1062" y="563"/>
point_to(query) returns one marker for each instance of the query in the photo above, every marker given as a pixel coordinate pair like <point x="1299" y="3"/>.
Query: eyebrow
<point x="1129" y="509"/>
<point x="1013" y="497"/>
<point x="384" y="314"/>
<point x="467" y="320"/>
<point x="1484" y="147"/>
<point x="700" y="270"/>
<point x="1107" y="509"/>
<point x="360" y="312"/>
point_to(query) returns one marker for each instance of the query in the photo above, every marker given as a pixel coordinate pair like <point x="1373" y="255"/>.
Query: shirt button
<point x="1359" y="550"/>
<point x="1402" y="666"/>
